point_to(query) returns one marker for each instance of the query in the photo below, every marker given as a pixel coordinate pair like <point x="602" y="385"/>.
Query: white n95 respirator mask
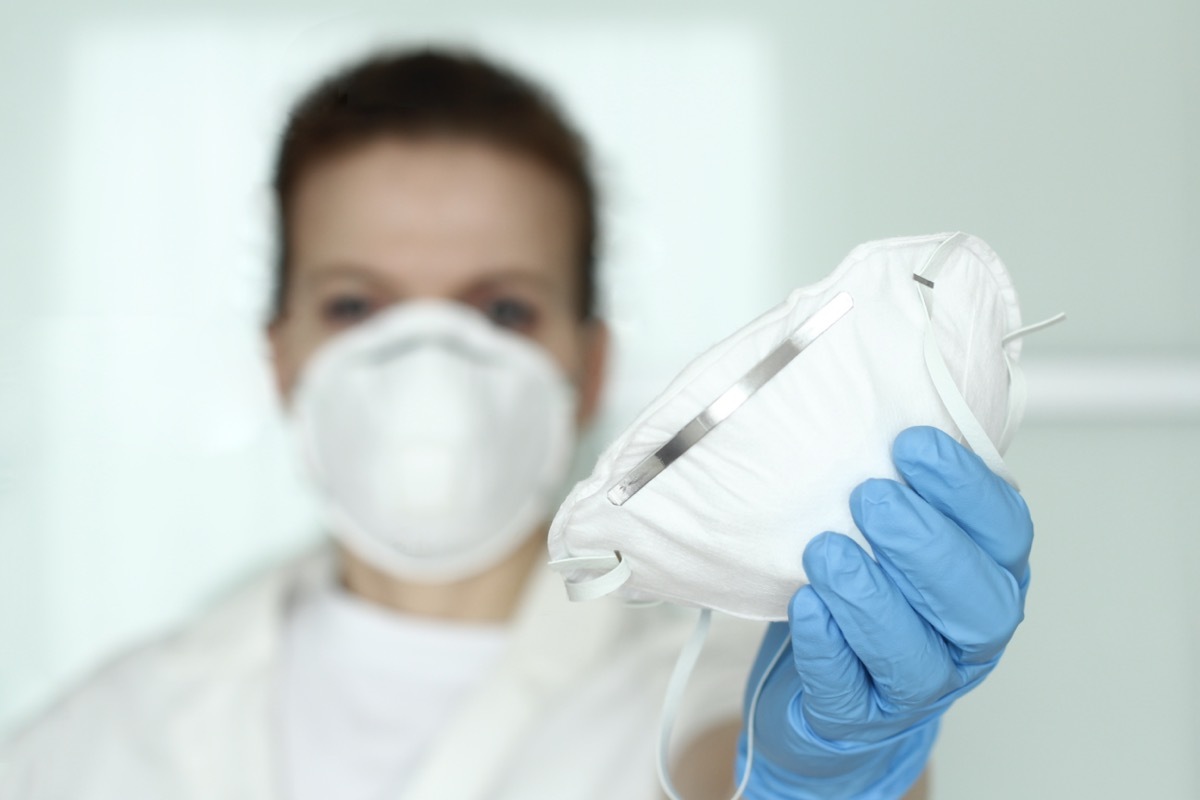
<point x="710" y="496"/>
<point x="436" y="441"/>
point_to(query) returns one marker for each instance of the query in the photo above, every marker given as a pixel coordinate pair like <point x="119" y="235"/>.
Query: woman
<point x="434" y="337"/>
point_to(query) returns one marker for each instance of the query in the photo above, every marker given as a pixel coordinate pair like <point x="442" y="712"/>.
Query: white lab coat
<point x="571" y="711"/>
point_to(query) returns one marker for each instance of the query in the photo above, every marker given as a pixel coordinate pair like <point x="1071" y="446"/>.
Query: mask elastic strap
<point x="1021" y="333"/>
<point x="616" y="572"/>
<point x="684" y="666"/>
<point x="948" y="391"/>
<point x="952" y="399"/>
<point x="1017" y="393"/>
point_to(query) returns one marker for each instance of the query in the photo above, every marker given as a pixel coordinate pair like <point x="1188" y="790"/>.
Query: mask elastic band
<point x="1017" y="393"/>
<point x="616" y="573"/>
<point x="685" y="664"/>
<point x="943" y="382"/>
<point x="1034" y="328"/>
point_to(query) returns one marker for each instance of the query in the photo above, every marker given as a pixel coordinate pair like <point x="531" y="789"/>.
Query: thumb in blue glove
<point x="875" y="650"/>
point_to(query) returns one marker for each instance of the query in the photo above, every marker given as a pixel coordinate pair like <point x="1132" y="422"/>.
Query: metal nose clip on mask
<point x="436" y="440"/>
<point x="709" y="497"/>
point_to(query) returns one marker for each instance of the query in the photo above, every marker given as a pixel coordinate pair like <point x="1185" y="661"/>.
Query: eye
<point x="346" y="309"/>
<point x="507" y="312"/>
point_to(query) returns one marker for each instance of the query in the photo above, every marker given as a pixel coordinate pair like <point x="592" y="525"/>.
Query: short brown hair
<point x="431" y="92"/>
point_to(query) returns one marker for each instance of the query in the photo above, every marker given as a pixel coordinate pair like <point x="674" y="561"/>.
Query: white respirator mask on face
<point x="709" y="497"/>
<point x="436" y="440"/>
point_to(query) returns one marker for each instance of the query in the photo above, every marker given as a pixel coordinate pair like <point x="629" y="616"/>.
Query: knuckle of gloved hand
<point x="883" y="509"/>
<point x="879" y="491"/>
<point x="1010" y="611"/>
<point x="834" y="564"/>
<point x="1023" y="581"/>
<point x="806" y="611"/>
<point x="1024" y="525"/>
<point x="833" y="724"/>
<point x="927" y="677"/>
<point x="1011" y="506"/>
<point x="930" y="456"/>
<point x="993" y="633"/>
<point x="914" y="694"/>
<point x="814" y="551"/>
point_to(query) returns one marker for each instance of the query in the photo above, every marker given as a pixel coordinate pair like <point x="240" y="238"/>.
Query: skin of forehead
<point x="433" y="215"/>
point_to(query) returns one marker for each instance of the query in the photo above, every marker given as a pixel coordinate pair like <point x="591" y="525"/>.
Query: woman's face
<point x="438" y="218"/>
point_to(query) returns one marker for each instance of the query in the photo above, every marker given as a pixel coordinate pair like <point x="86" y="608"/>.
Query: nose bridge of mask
<point x="923" y="344"/>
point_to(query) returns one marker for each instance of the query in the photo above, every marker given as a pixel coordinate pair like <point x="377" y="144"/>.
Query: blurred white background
<point x="742" y="152"/>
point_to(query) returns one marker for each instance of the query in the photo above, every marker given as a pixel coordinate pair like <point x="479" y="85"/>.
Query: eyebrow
<point x="324" y="272"/>
<point x="333" y="271"/>
<point x="542" y="282"/>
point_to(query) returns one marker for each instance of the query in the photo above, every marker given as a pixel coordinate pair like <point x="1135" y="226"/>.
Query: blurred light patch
<point x="1098" y="389"/>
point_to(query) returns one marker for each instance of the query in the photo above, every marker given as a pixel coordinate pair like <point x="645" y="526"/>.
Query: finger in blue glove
<point x="881" y="646"/>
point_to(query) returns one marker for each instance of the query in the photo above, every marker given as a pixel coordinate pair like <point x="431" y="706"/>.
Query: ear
<point x="594" y="369"/>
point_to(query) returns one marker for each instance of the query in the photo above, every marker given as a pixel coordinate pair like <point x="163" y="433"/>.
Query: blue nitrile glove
<point x="880" y="648"/>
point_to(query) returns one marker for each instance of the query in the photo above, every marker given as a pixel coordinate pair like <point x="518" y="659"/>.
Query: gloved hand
<point x="880" y="648"/>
